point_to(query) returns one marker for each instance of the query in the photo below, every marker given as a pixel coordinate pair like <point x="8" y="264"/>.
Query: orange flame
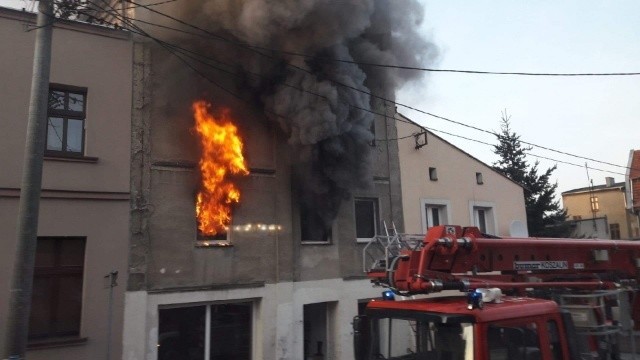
<point x="221" y="156"/>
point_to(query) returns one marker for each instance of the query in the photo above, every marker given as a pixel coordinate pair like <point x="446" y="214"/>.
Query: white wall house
<point x="442" y="184"/>
<point x="83" y="229"/>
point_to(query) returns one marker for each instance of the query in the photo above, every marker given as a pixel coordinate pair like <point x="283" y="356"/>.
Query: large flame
<point x="221" y="157"/>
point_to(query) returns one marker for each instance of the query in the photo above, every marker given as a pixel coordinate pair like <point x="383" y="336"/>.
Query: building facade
<point x="84" y="208"/>
<point x="441" y="184"/>
<point x="632" y="185"/>
<point x="602" y="201"/>
<point x="268" y="289"/>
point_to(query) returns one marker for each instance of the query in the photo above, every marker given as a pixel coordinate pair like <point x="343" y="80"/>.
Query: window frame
<point x="491" y="218"/>
<point x="433" y="174"/>
<point x="302" y="213"/>
<point x="208" y="345"/>
<point x="614" y="231"/>
<point x="55" y="273"/>
<point x="595" y="203"/>
<point x="443" y="205"/>
<point x="376" y="216"/>
<point x="66" y="114"/>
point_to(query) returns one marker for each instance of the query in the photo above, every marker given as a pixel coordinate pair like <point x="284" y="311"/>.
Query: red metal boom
<point x="452" y="257"/>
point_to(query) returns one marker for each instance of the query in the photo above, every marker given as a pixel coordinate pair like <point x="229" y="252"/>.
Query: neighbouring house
<point x="83" y="230"/>
<point x="608" y="201"/>
<point x="632" y="183"/>
<point x="442" y="184"/>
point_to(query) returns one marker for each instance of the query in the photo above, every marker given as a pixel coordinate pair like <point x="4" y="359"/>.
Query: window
<point x="513" y="341"/>
<point x="314" y="228"/>
<point x="56" y="302"/>
<point x="211" y="332"/>
<point x="482" y="216"/>
<point x="481" y="220"/>
<point x="595" y="206"/>
<point x="615" y="231"/>
<point x="433" y="174"/>
<point x="435" y="215"/>
<point x="66" y="114"/>
<point x="372" y="128"/>
<point x="418" y="337"/>
<point x="554" y="340"/>
<point x="479" y="180"/>
<point x="366" y="210"/>
<point x="435" y="212"/>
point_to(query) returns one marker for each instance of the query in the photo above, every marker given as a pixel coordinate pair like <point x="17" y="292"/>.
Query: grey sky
<point x="592" y="117"/>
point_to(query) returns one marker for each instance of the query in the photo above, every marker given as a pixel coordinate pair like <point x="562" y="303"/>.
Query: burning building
<point x="306" y="171"/>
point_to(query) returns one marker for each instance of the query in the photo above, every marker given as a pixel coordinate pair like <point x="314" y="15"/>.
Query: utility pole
<point x="17" y="323"/>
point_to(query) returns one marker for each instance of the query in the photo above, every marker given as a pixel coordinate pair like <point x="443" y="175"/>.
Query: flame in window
<point x="221" y="159"/>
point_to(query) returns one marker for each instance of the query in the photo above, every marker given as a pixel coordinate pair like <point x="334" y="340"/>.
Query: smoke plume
<point x="329" y="135"/>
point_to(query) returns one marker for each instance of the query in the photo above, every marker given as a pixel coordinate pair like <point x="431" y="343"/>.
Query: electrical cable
<point x="371" y="94"/>
<point x="386" y="116"/>
<point x="401" y="67"/>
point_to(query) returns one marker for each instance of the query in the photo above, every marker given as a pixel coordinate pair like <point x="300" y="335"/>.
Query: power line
<point x="400" y="67"/>
<point x="526" y="152"/>
<point x="211" y="35"/>
<point x="368" y="92"/>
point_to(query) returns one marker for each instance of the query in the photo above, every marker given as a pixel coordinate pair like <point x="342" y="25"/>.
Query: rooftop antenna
<point x="592" y="199"/>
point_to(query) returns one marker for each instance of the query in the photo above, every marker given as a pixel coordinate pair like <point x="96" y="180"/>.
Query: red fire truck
<point x="458" y="294"/>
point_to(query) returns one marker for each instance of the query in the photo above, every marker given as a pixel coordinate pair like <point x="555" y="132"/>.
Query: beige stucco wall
<point x="611" y="204"/>
<point x="456" y="185"/>
<point x="88" y="199"/>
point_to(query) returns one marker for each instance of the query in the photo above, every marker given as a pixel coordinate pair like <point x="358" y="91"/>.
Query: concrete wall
<point x="165" y="181"/>
<point x="89" y="197"/>
<point x="167" y="265"/>
<point x="277" y="316"/>
<point x="456" y="184"/>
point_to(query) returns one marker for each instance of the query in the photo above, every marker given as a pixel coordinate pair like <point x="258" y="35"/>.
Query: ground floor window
<point x="615" y="231"/>
<point x="211" y="332"/>
<point x="56" y="304"/>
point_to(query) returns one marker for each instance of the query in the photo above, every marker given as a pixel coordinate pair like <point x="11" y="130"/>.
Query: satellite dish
<point x="518" y="229"/>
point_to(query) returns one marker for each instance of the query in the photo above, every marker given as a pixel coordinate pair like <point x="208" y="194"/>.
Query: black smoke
<point x="328" y="133"/>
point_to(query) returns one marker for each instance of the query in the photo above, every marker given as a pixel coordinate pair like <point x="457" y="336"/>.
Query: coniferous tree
<point x="545" y="217"/>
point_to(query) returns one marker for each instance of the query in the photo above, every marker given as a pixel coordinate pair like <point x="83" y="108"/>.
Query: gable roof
<point x="406" y="119"/>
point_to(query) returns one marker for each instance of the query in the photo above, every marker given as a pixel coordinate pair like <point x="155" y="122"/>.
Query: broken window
<point x="313" y="228"/>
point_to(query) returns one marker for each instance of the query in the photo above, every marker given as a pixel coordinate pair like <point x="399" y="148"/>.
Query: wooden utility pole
<point x="17" y="323"/>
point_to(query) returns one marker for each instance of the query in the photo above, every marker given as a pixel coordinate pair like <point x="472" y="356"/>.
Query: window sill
<point x="315" y="243"/>
<point x="55" y="342"/>
<point x="363" y="240"/>
<point x="83" y="159"/>
<point x="213" y="244"/>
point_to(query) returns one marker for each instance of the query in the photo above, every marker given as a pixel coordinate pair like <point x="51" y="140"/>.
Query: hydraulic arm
<point x="452" y="257"/>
